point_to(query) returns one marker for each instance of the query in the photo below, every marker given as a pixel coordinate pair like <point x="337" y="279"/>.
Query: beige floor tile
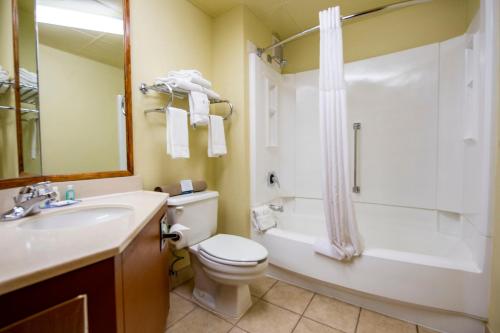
<point x="185" y="290"/>
<point x="264" y="317"/>
<point x="310" y="326"/>
<point x="259" y="287"/>
<point x="333" y="313"/>
<point x="289" y="297"/>
<point x="426" y="330"/>
<point x="179" y="307"/>
<point x="236" y="330"/>
<point x="372" y="322"/>
<point x="200" y="321"/>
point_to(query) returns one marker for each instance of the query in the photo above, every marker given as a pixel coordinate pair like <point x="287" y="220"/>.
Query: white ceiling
<point x="102" y="47"/>
<point x="288" y="17"/>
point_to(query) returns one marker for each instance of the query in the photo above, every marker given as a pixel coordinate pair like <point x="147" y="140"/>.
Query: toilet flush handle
<point x="179" y="209"/>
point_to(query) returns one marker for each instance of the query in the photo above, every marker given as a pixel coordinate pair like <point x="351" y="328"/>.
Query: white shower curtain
<point x="343" y="237"/>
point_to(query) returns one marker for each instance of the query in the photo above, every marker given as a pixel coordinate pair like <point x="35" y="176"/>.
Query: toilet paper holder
<point x="164" y="234"/>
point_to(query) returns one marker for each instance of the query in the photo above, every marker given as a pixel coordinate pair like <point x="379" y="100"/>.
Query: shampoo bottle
<point x="70" y="193"/>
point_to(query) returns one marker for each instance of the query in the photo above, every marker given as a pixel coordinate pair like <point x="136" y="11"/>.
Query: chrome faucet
<point x="28" y="200"/>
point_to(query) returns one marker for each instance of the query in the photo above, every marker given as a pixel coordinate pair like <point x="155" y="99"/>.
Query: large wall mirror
<point x="64" y="90"/>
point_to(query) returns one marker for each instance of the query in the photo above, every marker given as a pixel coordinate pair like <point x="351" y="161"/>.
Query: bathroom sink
<point x="77" y="218"/>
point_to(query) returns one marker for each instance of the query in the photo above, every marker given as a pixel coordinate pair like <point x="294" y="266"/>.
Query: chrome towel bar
<point x="355" y="188"/>
<point x="180" y="94"/>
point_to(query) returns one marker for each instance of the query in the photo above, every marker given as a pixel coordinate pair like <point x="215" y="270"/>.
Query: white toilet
<point x="223" y="265"/>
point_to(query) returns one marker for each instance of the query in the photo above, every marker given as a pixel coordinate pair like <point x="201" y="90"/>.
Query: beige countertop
<point x="28" y="256"/>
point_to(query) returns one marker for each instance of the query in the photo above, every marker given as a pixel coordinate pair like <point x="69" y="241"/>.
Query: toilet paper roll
<point x="179" y="230"/>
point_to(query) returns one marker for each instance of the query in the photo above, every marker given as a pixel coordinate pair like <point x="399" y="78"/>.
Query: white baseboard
<point x="442" y="321"/>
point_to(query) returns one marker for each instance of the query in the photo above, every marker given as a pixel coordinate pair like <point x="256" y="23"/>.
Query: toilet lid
<point x="230" y="248"/>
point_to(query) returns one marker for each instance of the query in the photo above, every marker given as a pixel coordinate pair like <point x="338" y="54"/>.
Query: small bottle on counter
<point x="70" y="193"/>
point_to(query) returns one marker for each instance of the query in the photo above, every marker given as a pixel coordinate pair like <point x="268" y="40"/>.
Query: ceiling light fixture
<point x="78" y="20"/>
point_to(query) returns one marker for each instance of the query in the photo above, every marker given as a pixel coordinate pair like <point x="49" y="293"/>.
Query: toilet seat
<point x="232" y="250"/>
<point x="226" y="262"/>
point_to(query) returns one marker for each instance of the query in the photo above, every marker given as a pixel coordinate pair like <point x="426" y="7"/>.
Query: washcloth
<point x="216" y="137"/>
<point x="263" y="218"/>
<point x="199" y="108"/>
<point x="177" y="133"/>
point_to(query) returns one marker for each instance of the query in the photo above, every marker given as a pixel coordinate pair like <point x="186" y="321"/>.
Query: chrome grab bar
<point x="355" y="188"/>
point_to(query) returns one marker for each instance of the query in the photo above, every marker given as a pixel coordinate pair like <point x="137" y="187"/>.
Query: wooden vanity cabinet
<point x="126" y="293"/>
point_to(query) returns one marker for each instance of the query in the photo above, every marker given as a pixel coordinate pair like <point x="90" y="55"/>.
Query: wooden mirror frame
<point x="21" y="181"/>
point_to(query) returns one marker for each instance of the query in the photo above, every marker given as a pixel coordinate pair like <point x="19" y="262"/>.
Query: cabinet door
<point x="145" y="281"/>
<point x="67" y="317"/>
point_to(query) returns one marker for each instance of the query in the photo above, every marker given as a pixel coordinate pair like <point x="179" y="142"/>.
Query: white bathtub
<point x="405" y="258"/>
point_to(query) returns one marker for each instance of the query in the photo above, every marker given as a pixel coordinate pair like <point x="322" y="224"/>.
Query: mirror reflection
<point x="9" y="161"/>
<point x="71" y="88"/>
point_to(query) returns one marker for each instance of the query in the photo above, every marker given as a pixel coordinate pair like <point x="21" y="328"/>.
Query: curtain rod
<point x="397" y="5"/>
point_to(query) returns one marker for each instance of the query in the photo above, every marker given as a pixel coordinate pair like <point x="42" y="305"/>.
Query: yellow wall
<point x="389" y="32"/>
<point x="231" y="171"/>
<point x="167" y="35"/>
<point x="8" y="141"/>
<point x="230" y="64"/>
<point x="78" y="119"/>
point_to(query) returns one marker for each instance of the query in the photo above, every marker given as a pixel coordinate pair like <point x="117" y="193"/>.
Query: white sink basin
<point x="77" y="218"/>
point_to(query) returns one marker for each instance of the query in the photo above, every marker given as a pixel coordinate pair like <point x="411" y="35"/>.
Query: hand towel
<point x="177" y="133"/>
<point x="263" y="218"/>
<point x="216" y="137"/>
<point x="199" y="108"/>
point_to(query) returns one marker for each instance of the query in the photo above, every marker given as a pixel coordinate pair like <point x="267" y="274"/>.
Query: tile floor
<point x="280" y="307"/>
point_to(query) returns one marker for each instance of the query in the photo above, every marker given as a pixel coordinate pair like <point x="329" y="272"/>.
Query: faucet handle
<point x="32" y="191"/>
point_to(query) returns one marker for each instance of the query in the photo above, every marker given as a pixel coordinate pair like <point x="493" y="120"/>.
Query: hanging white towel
<point x="199" y="108"/>
<point x="263" y="218"/>
<point x="216" y="137"/>
<point x="34" y="138"/>
<point x="177" y="133"/>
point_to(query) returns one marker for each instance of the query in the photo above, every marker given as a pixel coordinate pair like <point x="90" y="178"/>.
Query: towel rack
<point x="163" y="88"/>
<point x="23" y="110"/>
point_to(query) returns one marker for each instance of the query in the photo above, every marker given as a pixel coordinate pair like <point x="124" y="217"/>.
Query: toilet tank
<point x="197" y="211"/>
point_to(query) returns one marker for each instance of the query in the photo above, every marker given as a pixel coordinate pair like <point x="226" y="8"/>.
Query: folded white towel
<point x="199" y="108"/>
<point x="4" y="77"/>
<point x="180" y="83"/>
<point x="191" y="75"/>
<point x="216" y="137"/>
<point x="263" y="218"/>
<point x="27" y="77"/>
<point x="177" y="133"/>
<point x="193" y="72"/>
